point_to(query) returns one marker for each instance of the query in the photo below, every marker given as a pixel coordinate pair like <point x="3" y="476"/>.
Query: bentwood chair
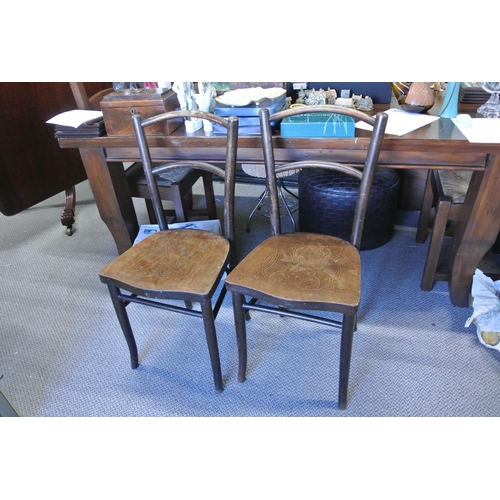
<point x="292" y="273"/>
<point x="177" y="264"/>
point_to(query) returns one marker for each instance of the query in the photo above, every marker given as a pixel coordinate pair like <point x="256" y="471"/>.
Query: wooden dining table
<point x="438" y="145"/>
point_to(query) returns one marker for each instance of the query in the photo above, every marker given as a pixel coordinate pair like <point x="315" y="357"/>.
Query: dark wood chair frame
<point x="245" y="298"/>
<point x="150" y="297"/>
<point x="450" y="206"/>
<point x="179" y="192"/>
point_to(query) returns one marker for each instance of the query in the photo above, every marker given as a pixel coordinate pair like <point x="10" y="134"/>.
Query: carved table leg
<point x="68" y="216"/>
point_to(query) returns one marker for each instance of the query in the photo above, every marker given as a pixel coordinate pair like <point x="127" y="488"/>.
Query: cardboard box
<point x="318" y="125"/>
<point x="119" y="106"/>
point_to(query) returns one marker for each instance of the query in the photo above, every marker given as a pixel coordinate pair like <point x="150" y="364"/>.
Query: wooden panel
<point x="32" y="165"/>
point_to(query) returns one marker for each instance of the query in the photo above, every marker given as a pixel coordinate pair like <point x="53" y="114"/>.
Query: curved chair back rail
<point x="187" y="113"/>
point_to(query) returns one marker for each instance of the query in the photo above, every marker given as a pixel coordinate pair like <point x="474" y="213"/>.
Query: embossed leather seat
<point x="177" y="264"/>
<point x="289" y="274"/>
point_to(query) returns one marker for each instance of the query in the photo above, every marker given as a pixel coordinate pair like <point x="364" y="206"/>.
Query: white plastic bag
<point x="486" y="305"/>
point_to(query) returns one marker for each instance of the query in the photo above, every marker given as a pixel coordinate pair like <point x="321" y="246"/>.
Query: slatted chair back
<point x="364" y="175"/>
<point x="152" y="171"/>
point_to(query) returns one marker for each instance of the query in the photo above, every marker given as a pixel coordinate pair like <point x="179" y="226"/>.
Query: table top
<point x="436" y="144"/>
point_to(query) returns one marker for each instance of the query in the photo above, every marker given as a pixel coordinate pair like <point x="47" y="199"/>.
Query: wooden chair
<point x="445" y="191"/>
<point x="177" y="264"/>
<point x="176" y="186"/>
<point x="295" y="272"/>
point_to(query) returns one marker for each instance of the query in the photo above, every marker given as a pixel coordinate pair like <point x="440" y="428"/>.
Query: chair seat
<point x="455" y="184"/>
<point x="170" y="262"/>
<point x="166" y="179"/>
<point x="304" y="270"/>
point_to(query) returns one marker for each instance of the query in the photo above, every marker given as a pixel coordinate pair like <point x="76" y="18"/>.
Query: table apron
<point x="393" y="159"/>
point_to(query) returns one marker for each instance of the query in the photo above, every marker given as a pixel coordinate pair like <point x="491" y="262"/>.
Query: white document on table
<point x="401" y="122"/>
<point x="75" y="118"/>
<point x="482" y="130"/>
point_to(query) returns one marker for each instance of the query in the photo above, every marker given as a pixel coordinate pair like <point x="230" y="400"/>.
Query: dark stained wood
<point x="300" y="273"/>
<point x="118" y="108"/>
<point x="439" y="145"/>
<point x="177" y="264"/>
<point x="159" y="265"/>
<point x="32" y="166"/>
<point x="301" y="269"/>
<point x="448" y="192"/>
<point x="180" y="192"/>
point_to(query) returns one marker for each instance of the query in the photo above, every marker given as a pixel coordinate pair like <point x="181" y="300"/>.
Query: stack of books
<point x="472" y="94"/>
<point x="79" y="123"/>
<point x="94" y="129"/>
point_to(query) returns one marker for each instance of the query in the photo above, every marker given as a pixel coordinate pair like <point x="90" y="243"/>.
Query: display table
<point x="439" y="145"/>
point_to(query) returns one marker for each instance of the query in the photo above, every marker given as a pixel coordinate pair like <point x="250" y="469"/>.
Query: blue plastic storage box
<point x="318" y="125"/>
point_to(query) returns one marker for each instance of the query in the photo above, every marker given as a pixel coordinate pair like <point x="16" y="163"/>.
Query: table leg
<point x="110" y="189"/>
<point x="475" y="235"/>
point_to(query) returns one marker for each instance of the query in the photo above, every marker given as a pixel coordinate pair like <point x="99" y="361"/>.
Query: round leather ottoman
<point x="327" y="200"/>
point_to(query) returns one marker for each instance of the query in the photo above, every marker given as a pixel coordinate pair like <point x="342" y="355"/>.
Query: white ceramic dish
<point x="244" y="97"/>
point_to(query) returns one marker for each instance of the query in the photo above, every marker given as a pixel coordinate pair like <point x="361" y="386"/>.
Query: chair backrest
<point x="227" y="174"/>
<point x="365" y="175"/>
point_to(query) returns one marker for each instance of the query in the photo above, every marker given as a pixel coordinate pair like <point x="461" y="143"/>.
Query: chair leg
<point x="213" y="348"/>
<point x="180" y="207"/>
<point x="241" y="335"/>
<point x="425" y="211"/>
<point x="346" y="339"/>
<point x="189" y="199"/>
<point x="435" y="244"/>
<point x="125" y="324"/>
<point x="208" y="187"/>
<point x="68" y="216"/>
<point x="151" y="212"/>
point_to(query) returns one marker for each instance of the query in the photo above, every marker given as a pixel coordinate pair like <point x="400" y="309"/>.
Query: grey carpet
<point x="62" y="352"/>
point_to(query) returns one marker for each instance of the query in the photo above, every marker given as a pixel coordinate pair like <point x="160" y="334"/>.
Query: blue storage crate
<point x="318" y="125"/>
